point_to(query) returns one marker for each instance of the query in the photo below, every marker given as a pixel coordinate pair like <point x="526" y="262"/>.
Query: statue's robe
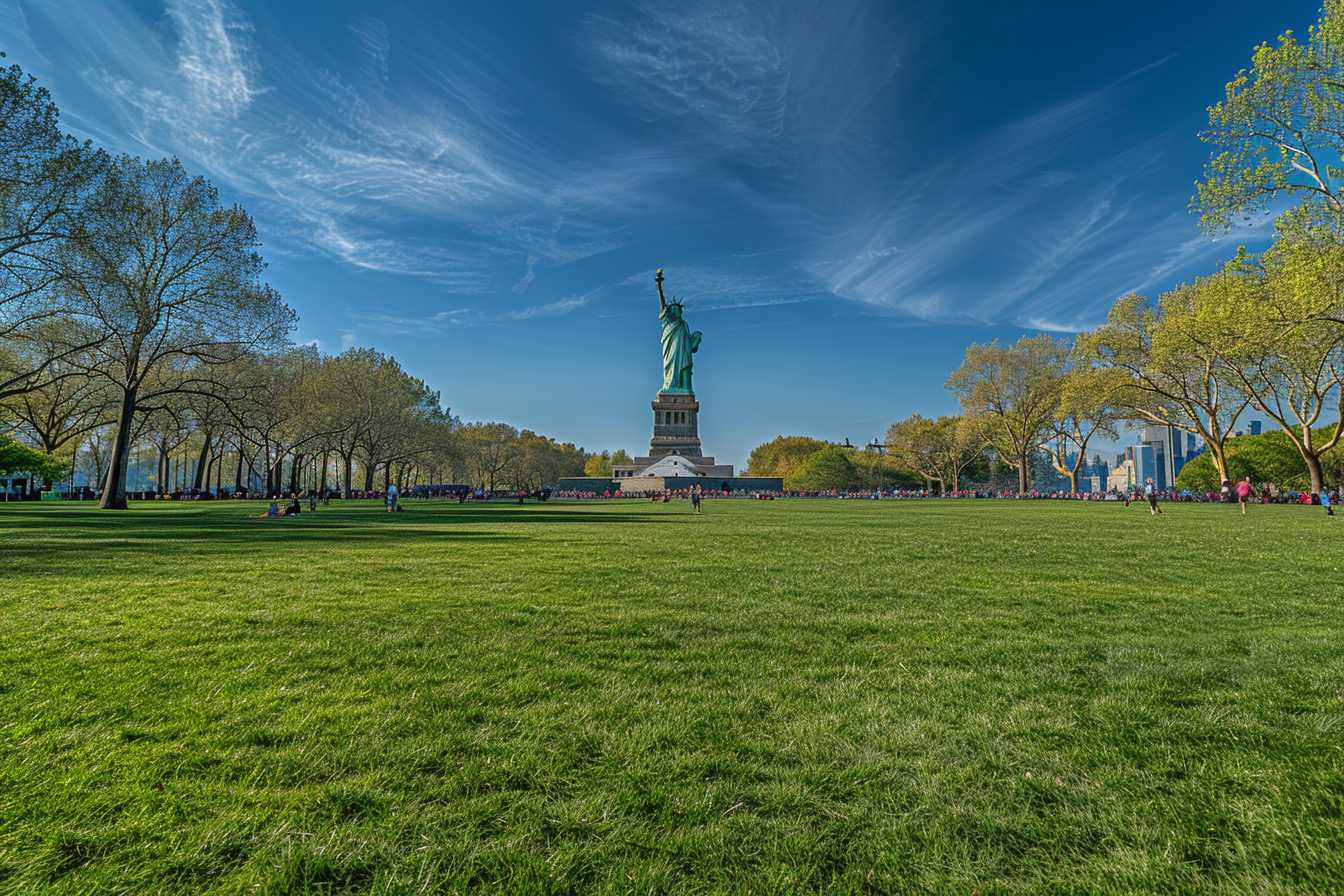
<point x="679" y="343"/>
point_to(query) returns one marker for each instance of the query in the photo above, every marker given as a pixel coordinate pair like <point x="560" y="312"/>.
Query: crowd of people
<point x="1242" y="493"/>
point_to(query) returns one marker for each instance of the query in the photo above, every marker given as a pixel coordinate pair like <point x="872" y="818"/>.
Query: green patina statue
<point x="679" y="343"/>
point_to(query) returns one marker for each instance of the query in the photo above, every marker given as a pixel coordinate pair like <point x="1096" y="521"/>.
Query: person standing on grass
<point x="392" y="494"/>
<point x="695" y="499"/>
<point x="1325" y="502"/>
<point x="1243" y="493"/>
<point x="1150" y="491"/>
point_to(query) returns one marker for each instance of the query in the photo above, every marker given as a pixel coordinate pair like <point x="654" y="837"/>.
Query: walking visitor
<point x="1150" y="491"/>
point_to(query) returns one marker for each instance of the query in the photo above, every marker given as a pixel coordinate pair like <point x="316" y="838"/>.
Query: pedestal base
<point x="676" y="426"/>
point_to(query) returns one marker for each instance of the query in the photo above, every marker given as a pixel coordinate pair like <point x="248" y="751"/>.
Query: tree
<point x="1270" y="457"/>
<point x="1011" y="393"/>
<point x="782" y="455"/>
<point x="1089" y="405"/>
<point x="1172" y="374"/>
<point x="1279" y="129"/>
<point x="65" y="403"/>
<point x="1267" y="319"/>
<point x="45" y="179"/>
<point x="488" y="449"/>
<point x="874" y="468"/>
<point x="173" y="279"/>
<point x="16" y="457"/>
<point x="937" y="450"/>
<point x="597" y="465"/>
<point x="537" y="461"/>
<point x="274" y="408"/>
<point x="828" y="469"/>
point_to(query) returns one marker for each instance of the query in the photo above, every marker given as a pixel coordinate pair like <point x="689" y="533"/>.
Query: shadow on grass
<point x="51" y="531"/>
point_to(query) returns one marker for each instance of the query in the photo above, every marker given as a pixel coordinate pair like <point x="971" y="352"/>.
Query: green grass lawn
<point x="959" y="697"/>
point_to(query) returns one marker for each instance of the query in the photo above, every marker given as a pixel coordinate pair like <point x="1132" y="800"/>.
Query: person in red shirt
<point x="1243" y="492"/>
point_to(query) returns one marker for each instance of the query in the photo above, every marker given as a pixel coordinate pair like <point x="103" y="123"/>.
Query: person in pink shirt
<point x="1243" y="492"/>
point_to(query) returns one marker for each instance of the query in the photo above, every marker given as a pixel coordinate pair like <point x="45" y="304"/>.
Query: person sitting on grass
<point x="293" y="508"/>
<point x="272" y="511"/>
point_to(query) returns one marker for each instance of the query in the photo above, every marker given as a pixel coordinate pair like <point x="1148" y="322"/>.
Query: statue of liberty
<point x="679" y="343"/>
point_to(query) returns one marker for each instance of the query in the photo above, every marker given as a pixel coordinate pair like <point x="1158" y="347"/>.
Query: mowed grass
<point x="796" y="696"/>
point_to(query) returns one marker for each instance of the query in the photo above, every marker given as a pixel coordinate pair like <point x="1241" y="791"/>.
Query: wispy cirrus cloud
<point x="214" y="58"/>
<point x="775" y="84"/>
<point x="341" y="163"/>
<point x="387" y="323"/>
<point x="1012" y="229"/>
<point x="720" y="288"/>
<point x="749" y="131"/>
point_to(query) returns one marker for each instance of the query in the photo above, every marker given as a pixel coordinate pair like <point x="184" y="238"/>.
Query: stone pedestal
<point x="676" y="429"/>
<point x="676" y="433"/>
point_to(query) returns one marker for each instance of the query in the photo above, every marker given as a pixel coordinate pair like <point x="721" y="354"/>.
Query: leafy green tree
<point x="830" y="468"/>
<point x="1279" y="129"/>
<point x="488" y="448"/>
<point x="782" y="455"/>
<point x="537" y="461"/>
<point x="65" y="403"/>
<point x="1267" y="319"/>
<point x="877" y="469"/>
<point x="1172" y="374"/>
<point x="913" y="443"/>
<point x="1088" y="407"/>
<point x="937" y="450"/>
<point x="15" y="457"/>
<point x="1011" y="395"/>
<point x="1269" y="458"/>
<point x="597" y="465"/>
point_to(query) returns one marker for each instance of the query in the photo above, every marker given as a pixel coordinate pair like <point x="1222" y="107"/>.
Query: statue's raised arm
<point x="658" y="278"/>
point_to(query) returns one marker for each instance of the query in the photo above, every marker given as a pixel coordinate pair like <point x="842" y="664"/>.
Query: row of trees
<point x="134" y="315"/>
<point x="1264" y="332"/>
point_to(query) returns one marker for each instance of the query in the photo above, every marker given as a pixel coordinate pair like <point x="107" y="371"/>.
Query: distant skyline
<point x="845" y="194"/>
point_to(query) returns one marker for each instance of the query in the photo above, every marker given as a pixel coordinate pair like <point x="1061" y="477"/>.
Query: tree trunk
<point x="368" y="476"/>
<point x="266" y="464"/>
<point x="347" y="472"/>
<point x="1073" y="482"/>
<point x="1314" y="471"/>
<point x="387" y="476"/>
<point x="1023" y="460"/>
<point x="238" y="473"/>
<point x="295" y="469"/>
<point x="1219" y="461"/>
<point x="202" y="469"/>
<point x="114" y="488"/>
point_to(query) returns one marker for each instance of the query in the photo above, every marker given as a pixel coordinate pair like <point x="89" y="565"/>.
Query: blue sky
<point x="844" y="193"/>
